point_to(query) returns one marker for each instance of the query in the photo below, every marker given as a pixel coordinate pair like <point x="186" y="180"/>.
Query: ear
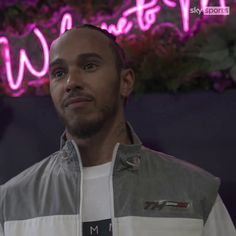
<point x="126" y="82"/>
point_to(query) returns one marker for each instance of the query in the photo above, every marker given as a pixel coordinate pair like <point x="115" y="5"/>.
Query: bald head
<point x="118" y="52"/>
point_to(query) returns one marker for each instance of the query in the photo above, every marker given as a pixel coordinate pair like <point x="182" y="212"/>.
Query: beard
<point x="80" y="126"/>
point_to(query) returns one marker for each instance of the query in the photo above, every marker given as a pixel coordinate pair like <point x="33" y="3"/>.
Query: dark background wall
<point x="198" y="127"/>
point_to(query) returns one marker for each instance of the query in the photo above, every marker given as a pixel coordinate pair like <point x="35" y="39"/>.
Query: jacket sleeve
<point x="1" y="230"/>
<point x="1" y="212"/>
<point x="219" y="222"/>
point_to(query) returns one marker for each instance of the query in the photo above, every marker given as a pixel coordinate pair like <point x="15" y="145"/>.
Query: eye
<point x="58" y="73"/>
<point x="90" y="67"/>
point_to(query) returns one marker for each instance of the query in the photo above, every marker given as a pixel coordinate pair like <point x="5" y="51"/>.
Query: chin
<point x="84" y="128"/>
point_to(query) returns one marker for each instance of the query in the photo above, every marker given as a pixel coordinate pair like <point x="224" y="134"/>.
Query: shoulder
<point x="21" y="188"/>
<point x="30" y="174"/>
<point x="180" y="173"/>
<point x="171" y="163"/>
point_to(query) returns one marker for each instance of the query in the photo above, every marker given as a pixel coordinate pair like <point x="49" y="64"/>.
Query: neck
<point x="98" y="149"/>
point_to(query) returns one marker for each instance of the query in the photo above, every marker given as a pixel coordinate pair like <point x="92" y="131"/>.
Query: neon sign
<point x="143" y="15"/>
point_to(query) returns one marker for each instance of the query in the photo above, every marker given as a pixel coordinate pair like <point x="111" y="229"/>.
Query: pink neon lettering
<point x="185" y="7"/>
<point x="123" y="26"/>
<point x="146" y="13"/>
<point x="222" y="3"/>
<point x="169" y="3"/>
<point x="66" y="23"/>
<point x="3" y="40"/>
<point x="24" y="61"/>
<point x="44" y="44"/>
<point x="204" y="4"/>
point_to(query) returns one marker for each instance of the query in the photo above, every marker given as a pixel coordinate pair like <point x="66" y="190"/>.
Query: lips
<point x="77" y="100"/>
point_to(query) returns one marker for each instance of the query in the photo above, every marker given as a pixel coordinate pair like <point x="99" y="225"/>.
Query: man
<point x="103" y="181"/>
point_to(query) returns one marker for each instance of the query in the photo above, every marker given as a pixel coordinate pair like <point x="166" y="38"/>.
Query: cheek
<point x="108" y="92"/>
<point x="56" y="95"/>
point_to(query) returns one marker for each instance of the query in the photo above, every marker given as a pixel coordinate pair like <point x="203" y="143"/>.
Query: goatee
<point x="83" y="129"/>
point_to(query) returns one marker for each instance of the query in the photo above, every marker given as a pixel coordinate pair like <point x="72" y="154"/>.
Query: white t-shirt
<point x="96" y="212"/>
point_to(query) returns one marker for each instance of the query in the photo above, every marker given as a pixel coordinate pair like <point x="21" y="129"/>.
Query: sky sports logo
<point x="211" y="11"/>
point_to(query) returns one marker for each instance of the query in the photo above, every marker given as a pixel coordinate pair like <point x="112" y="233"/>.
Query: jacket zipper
<point x="80" y="218"/>
<point x="114" y="230"/>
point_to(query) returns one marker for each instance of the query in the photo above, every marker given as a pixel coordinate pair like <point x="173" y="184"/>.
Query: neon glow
<point x="66" y="23"/>
<point x="204" y="3"/>
<point x="24" y="61"/>
<point x="123" y="27"/>
<point x="185" y="6"/>
<point x="169" y="3"/>
<point x="146" y="13"/>
<point x="143" y="15"/>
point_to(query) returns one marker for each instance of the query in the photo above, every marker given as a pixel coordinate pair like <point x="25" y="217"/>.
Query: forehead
<point x="80" y="41"/>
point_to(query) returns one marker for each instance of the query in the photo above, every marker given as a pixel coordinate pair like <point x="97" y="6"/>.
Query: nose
<point x="74" y="81"/>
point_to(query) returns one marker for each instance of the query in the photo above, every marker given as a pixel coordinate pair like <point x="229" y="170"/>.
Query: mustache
<point x="74" y="94"/>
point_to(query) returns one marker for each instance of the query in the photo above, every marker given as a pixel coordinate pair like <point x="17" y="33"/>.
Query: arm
<point x="219" y="222"/>
<point x="1" y="226"/>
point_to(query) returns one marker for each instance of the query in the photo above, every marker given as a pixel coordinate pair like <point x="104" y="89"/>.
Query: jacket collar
<point x="128" y="156"/>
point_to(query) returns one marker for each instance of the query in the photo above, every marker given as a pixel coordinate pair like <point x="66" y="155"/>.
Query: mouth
<point x="77" y="102"/>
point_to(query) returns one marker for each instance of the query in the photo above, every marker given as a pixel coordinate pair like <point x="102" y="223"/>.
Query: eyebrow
<point x="85" y="56"/>
<point x="58" y="61"/>
<point x="80" y="57"/>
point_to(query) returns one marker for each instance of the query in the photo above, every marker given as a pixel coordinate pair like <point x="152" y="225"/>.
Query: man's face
<point x="84" y="81"/>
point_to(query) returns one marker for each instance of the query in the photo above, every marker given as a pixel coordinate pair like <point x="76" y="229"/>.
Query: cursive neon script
<point x="146" y="15"/>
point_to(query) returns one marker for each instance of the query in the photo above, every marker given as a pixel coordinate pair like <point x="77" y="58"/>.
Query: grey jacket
<point x="153" y="194"/>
